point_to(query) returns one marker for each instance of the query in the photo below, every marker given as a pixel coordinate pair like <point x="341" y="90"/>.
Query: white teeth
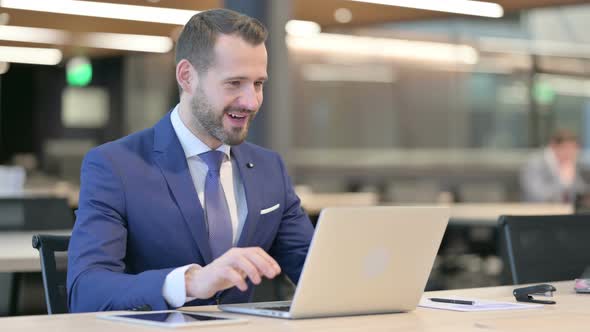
<point x="236" y="116"/>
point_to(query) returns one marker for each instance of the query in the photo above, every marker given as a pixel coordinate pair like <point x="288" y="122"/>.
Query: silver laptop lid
<point x="369" y="260"/>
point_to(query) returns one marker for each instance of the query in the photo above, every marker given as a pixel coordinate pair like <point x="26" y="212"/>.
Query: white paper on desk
<point x="480" y="305"/>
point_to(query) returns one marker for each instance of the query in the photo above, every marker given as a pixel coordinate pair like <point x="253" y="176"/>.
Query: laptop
<point x="362" y="260"/>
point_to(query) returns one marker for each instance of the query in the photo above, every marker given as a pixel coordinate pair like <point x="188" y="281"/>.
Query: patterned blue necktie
<point x="216" y="209"/>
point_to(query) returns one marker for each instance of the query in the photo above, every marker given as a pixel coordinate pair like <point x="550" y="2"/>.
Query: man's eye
<point x="234" y="83"/>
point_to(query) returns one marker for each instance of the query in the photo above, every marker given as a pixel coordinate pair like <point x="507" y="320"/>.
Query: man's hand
<point x="229" y="270"/>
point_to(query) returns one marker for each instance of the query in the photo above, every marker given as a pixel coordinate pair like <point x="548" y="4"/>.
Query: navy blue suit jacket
<point x="139" y="218"/>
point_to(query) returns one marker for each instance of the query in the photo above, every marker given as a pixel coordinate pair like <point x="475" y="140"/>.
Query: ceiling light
<point x="466" y="7"/>
<point x="118" y="41"/>
<point x="105" y="10"/>
<point x="373" y="73"/>
<point x="385" y="48"/>
<point x="302" y="28"/>
<point x="536" y="47"/>
<point x="127" y="42"/>
<point x="32" y="55"/>
<point x="343" y="15"/>
<point x="33" y="35"/>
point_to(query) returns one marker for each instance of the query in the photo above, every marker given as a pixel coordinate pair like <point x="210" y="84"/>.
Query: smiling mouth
<point x="237" y="115"/>
<point x="238" y="120"/>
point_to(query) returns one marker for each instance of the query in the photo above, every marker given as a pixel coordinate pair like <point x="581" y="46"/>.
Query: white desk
<point x="488" y="214"/>
<point x="461" y="213"/>
<point x="570" y="314"/>
<point x="17" y="253"/>
<point x="313" y="203"/>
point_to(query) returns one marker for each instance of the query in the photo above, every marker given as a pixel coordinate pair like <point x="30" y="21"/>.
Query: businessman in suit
<point x="552" y="175"/>
<point x="186" y="212"/>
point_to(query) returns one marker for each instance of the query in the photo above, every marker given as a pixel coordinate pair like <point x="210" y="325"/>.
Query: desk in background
<point x="479" y="222"/>
<point x="571" y="314"/>
<point x="313" y="203"/>
<point x="461" y="213"/>
<point x="470" y="254"/>
<point x="17" y="253"/>
<point x="488" y="214"/>
<point x="18" y="257"/>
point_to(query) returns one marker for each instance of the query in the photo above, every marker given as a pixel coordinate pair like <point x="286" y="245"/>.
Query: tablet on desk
<point x="173" y="318"/>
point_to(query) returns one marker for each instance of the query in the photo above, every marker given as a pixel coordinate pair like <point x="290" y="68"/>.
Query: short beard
<point x="206" y="119"/>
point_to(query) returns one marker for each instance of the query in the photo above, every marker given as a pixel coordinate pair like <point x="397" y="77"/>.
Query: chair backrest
<point x="545" y="248"/>
<point x="54" y="280"/>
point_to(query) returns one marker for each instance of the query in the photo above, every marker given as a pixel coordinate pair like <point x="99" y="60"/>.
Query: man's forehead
<point x="234" y="56"/>
<point x="233" y="41"/>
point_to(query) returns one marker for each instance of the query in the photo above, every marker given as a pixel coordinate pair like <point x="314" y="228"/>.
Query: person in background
<point x="186" y="212"/>
<point x="552" y="175"/>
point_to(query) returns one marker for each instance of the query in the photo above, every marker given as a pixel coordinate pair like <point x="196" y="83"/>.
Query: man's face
<point x="566" y="152"/>
<point x="229" y="94"/>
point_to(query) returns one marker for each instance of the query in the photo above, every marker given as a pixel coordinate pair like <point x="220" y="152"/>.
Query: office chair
<point x="54" y="281"/>
<point x="545" y="248"/>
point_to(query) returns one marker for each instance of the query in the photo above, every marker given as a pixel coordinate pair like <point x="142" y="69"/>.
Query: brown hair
<point x="562" y="136"/>
<point x="197" y="39"/>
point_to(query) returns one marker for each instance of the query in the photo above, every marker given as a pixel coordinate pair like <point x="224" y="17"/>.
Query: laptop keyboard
<point x="281" y="308"/>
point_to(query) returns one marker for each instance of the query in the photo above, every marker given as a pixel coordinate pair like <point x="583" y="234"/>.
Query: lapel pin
<point x="250" y="165"/>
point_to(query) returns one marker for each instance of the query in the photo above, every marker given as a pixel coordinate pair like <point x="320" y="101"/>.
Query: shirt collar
<point x="190" y="143"/>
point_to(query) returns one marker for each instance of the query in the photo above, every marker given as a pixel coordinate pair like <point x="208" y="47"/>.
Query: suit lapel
<point x="249" y="180"/>
<point x="171" y="159"/>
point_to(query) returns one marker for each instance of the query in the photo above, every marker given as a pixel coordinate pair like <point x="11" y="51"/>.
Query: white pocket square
<point x="270" y="209"/>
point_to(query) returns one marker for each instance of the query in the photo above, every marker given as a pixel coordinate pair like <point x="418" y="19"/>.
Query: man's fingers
<point x="235" y="279"/>
<point x="251" y="262"/>
<point x="263" y="262"/>
<point x="271" y="261"/>
<point x="244" y="264"/>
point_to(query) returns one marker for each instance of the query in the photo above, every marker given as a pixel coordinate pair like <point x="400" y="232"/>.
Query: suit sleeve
<point x="294" y="234"/>
<point x="97" y="278"/>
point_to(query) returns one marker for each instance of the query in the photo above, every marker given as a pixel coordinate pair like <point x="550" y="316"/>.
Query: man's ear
<point x="186" y="76"/>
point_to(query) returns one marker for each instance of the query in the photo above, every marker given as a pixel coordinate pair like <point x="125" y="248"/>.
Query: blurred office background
<point x="371" y="103"/>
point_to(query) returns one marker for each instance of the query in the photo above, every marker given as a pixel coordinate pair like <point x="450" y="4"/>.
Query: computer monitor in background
<point x="546" y="247"/>
<point x="35" y="213"/>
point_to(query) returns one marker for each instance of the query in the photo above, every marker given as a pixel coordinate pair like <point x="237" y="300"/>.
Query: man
<point x="185" y="212"/>
<point x="552" y="176"/>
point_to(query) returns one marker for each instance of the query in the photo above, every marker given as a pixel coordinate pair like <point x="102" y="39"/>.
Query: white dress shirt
<point x="174" y="286"/>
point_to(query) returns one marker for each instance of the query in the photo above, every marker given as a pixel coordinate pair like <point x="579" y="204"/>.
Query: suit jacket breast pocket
<point x="270" y="209"/>
<point x="268" y="224"/>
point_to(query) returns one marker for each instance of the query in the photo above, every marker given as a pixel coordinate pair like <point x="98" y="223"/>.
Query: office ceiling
<point x="314" y="10"/>
<point x="363" y="13"/>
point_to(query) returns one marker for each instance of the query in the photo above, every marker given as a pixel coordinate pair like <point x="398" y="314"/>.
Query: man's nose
<point x="250" y="99"/>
